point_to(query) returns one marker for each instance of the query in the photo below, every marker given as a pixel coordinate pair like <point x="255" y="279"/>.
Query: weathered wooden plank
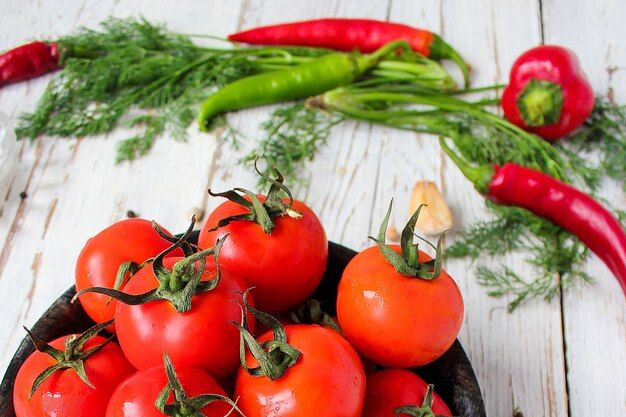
<point x="75" y="190"/>
<point x="516" y="356"/>
<point x="595" y="316"/>
<point x="342" y="177"/>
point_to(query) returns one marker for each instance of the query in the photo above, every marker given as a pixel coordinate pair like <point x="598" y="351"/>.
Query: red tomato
<point x="285" y="267"/>
<point x="327" y="380"/>
<point x="64" y="393"/>
<point x="202" y="337"/>
<point x="97" y="265"/>
<point x="285" y="319"/>
<point x="392" y="388"/>
<point x="136" y="396"/>
<point x="394" y="320"/>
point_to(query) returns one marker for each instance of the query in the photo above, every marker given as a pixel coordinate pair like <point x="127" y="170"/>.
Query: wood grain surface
<point x="565" y="357"/>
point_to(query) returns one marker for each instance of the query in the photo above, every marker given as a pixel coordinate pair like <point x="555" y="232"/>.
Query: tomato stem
<point x="274" y="356"/>
<point x="178" y="285"/>
<point x="183" y="406"/>
<point x="264" y="213"/>
<point x="425" y="410"/>
<point x="70" y="358"/>
<point x="407" y="263"/>
<point x="311" y="312"/>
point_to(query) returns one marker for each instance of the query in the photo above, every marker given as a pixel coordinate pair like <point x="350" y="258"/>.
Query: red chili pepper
<point x="548" y="92"/>
<point x="28" y="61"/>
<point x="366" y="35"/>
<point x="556" y="201"/>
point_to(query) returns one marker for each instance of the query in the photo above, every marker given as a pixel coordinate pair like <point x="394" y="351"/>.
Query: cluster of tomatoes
<point x="185" y="315"/>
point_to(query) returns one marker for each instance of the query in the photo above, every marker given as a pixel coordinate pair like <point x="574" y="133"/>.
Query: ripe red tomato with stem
<point x="129" y="242"/>
<point x="277" y="245"/>
<point x="183" y="306"/>
<point x="163" y="390"/>
<point x="396" y="305"/>
<point x="389" y="389"/>
<point x="299" y="370"/>
<point x="73" y="375"/>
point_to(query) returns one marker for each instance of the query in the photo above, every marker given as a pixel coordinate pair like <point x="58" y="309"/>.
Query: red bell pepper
<point x="548" y="93"/>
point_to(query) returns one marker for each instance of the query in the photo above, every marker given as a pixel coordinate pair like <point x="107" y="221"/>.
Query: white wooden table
<point x="562" y="358"/>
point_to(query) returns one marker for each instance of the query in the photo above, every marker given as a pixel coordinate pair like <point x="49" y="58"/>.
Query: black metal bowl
<point x="452" y="373"/>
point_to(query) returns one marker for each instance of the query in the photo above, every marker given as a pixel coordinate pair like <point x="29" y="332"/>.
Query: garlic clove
<point x="435" y="217"/>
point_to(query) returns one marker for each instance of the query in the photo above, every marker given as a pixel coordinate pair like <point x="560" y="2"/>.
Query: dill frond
<point x="294" y="135"/>
<point x="130" y="73"/>
<point x="603" y="132"/>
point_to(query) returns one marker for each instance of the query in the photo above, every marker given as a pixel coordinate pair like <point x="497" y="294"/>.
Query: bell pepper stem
<point x="540" y="103"/>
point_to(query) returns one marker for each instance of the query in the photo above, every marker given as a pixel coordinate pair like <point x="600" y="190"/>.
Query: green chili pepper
<point x="301" y="81"/>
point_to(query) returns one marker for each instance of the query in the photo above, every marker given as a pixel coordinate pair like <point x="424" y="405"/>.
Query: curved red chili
<point x="366" y="35"/>
<point x="28" y="61"/>
<point x="565" y="206"/>
<point x="548" y="92"/>
<point x="556" y="201"/>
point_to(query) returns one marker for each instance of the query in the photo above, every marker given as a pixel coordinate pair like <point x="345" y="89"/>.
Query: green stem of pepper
<point x="363" y="103"/>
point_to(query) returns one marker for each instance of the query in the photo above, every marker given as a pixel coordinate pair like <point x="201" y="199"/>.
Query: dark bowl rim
<point x="452" y="373"/>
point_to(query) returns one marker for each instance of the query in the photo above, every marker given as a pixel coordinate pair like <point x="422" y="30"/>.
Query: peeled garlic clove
<point x="435" y="217"/>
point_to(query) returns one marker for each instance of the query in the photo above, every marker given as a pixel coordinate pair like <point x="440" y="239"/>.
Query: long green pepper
<point x="302" y="81"/>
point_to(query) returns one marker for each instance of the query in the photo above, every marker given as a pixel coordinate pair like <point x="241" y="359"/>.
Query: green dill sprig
<point x="135" y="74"/>
<point x="293" y="136"/>
<point x="554" y="255"/>
<point x="603" y="132"/>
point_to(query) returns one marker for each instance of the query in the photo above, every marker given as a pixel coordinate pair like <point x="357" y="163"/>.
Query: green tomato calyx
<point x="179" y="284"/>
<point x="72" y="357"/>
<point x="310" y="312"/>
<point x="407" y="262"/>
<point x="274" y="356"/>
<point x="183" y="406"/>
<point x="264" y="213"/>
<point x="425" y="410"/>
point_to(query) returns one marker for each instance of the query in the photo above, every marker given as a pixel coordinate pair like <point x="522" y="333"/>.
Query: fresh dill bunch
<point x="503" y="281"/>
<point x="293" y="136"/>
<point x="481" y="143"/>
<point x="603" y="132"/>
<point x="555" y="256"/>
<point x="131" y="73"/>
